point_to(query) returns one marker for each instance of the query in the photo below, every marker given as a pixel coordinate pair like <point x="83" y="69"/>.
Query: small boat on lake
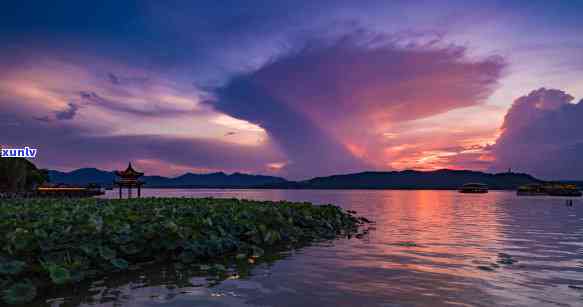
<point x="474" y="188"/>
<point x="68" y="191"/>
<point x="549" y="189"/>
<point x="532" y="190"/>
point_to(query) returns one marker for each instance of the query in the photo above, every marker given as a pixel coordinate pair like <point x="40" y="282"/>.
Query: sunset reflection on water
<point x="438" y="248"/>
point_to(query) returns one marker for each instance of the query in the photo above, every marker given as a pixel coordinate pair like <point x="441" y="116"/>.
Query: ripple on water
<point x="426" y="250"/>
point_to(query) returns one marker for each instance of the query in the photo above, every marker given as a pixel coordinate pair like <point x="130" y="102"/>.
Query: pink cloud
<point x="542" y="135"/>
<point x="331" y="105"/>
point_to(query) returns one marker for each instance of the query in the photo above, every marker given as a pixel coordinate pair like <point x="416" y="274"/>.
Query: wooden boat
<point x="549" y="189"/>
<point x="474" y="188"/>
<point x="531" y="190"/>
<point x="565" y="190"/>
<point x="68" y="192"/>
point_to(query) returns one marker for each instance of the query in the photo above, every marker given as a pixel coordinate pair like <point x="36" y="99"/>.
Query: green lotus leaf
<point x="59" y="275"/>
<point x="219" y="267"/>
<point x="77" y="276"/>
<point x="19" y="293"/>
<point x="130" y="249"/>
<point x="120" y="264"/>
<point x="191" y="246"/>
<point x="4" y="283"/>
<point x="46" y="245"/>
<point x="23" y="243"/>
<point x="96" y="223"/>
<point x="89" y="250"/>
<point x="407" y="244"/>
<point x="157" y="244"/>
<point x="12" y="267"/>
<point x="91" y="273"/>
<point x="170" y="244"/>
<point x="257" y="251"/>
<point x="507" y="261"/>
<point x="241" y="256"/>
<point x="172" y="226"/>
<point x="40" y="233"/>
<point x="106" y="253"/>
<point x="123" y="238"/>
<point x="187" y="257"/>
<point x="271" y="237"/>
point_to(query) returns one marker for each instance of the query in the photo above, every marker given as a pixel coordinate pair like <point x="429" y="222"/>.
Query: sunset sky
<point x="295" y="88"/>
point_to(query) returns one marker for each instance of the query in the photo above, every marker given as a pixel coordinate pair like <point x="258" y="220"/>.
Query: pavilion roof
<point x="129" y="172"/>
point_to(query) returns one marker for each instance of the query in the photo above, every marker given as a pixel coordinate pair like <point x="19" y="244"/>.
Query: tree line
<point x="20" y="175"/>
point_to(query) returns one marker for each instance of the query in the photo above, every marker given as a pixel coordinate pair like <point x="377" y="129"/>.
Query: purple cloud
<point x="68" y="113"/>
<point x="97" y="100"/>
<point x="64" y="145"/>
<point x="541" y="134"/>
<point x="329" y="103"/>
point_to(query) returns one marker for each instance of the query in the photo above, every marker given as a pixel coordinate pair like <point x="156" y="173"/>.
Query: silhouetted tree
<point x="18" y="175"/>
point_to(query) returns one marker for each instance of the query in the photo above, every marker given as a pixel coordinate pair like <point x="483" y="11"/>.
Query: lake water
<point x="437" y="248"/>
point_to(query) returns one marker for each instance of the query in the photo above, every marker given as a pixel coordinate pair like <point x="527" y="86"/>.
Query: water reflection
<point x="436" y="248"/>
<point x="164" y="284"/>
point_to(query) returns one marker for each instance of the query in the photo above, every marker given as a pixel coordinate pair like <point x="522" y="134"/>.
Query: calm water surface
<point x="437" y="248"/>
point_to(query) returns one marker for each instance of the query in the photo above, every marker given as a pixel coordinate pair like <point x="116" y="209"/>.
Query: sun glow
<point x="231" y="122"/>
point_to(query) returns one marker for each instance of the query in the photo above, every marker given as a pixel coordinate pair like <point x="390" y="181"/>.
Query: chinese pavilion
<point x="129" y="179"/>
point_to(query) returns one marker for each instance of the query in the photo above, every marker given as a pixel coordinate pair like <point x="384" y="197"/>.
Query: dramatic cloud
<point x="154" y="110"/>
<point x="67" y="146"/>
<point x="330" y="104"/>
<point x="542" y="135"/>
<point x="78" y="117"/>
<point x="68" y="113"/>
<point x="287" y="89"/>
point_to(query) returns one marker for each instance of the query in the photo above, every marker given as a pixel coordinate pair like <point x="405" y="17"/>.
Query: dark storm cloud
<point x="113" y="79"/>
<point x="303" y="141"/>
<point x="542" y="134"/>
<point x="68" y="113"/>
<point x="318" y="101"/>
<point x="95" y="99"/>
<point x="45" y="119"/>
<point x="126" y="81"/>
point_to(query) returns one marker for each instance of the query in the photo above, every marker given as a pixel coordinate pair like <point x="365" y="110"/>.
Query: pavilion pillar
<point x="129" y="179"/>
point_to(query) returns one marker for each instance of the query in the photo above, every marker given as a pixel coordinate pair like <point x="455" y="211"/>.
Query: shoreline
<point x="309" y="188"/>
<point x="58" y="242"/>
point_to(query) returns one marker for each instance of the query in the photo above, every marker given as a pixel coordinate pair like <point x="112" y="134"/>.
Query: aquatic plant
<point x="58" y="241"/>
<point x="407" y="244"/>
<point x="20" y="292"/>
<point x="506" y="259"/>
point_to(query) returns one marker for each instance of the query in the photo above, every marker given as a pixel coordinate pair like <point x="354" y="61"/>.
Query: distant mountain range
<point x="409" y="179"/>
<point x="87" y="176"/>
<point x="440" y="179"/>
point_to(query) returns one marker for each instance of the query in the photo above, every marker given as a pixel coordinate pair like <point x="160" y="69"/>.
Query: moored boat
<point x="58" y="192"/>
<point x="564" y="190"/>
<point x="531" y="190"/>
<point x="474" y="188"/>
<point x="549" y="189"/>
